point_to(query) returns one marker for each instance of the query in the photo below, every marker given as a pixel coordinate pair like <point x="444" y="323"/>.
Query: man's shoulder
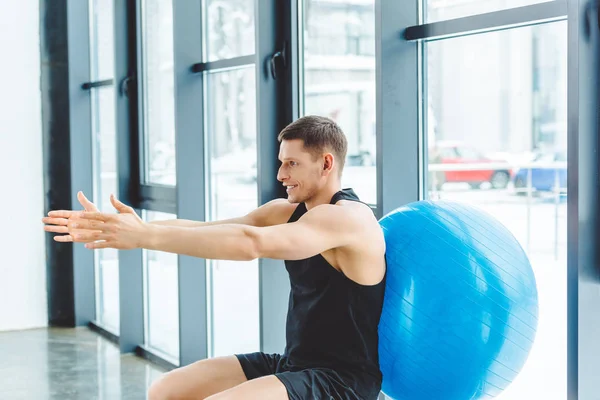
<point x="346" y="214"/>
<point x="274" y="212"/>
<point x="356" y="210"/>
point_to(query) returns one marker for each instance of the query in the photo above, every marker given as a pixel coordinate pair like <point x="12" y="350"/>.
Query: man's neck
<point x="324" y="196"/>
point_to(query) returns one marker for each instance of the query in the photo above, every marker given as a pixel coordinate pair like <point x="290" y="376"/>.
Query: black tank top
<point x="332" y="321"/>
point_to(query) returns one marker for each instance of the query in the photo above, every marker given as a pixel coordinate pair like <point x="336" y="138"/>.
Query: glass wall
<point x="494" y="135"/>
<point x="104" y="156"/>
<point x="157" y="96"/>
<point x="232" y="192"/>
<point x="497" y="136"/>
<point x="438" y="10"/>
<point x="231" y="171"/>
<point x="230" y="29"/>
<point x="338" y="80"/>
<point x="161" y="297"/>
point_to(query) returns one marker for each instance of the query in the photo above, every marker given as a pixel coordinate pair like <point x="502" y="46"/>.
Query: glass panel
<point x="497" y="125"/>
<point x="102" y="39"/>
<point x="161" y="294"/>
<point x="233" y="191"/>
<point x="439" y="10"/>
<point x="104" y="157"/>
<point x="339" y="81"/>
<point x="158" y="99"/>
<point x="230" y="28"/>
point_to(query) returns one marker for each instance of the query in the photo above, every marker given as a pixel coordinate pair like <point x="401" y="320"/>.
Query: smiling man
<point x="334" y="252"/>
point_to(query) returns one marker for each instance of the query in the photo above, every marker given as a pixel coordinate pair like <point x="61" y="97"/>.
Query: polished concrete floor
<point x="67" y="364"/>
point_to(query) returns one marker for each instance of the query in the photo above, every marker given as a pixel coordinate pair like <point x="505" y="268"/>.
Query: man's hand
<point x="57" y="221"/>
<point x="97" y="230"/>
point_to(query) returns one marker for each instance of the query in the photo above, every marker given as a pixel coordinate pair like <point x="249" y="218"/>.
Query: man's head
<point x="312" y="154"/>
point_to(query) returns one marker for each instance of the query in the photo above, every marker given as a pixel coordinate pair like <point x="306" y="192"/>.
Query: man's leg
<point x="265" y="388"/>
<point x="199" y="380"/>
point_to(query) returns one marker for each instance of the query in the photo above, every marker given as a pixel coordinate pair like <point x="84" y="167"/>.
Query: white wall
<point x="22" y="250"/>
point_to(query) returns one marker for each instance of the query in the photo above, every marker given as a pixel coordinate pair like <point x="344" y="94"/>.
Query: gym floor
<point x="78" y="363"/>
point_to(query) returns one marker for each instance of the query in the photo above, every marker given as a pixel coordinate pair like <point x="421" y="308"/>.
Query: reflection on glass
<point x="233" y="192"/>
<point x="339" y="81"/>
<point x="497" y="138"/>
<point x="439" y="10"/>
<point x="104" y="157"/>
<point x="161" y="294"/>
<point x="158" y="91"/>
<point x="230" y="28"/>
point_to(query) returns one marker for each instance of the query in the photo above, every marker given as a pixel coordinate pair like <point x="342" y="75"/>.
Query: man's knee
<point x="162" y="389"/>
<point x="156" y="391"/>
<point x="167" y="387"/>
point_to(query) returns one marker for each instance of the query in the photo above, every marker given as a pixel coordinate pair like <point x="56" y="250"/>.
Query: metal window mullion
<point x="131" y="290"/>
<point x="550" y="11"/>
<point x="275" y="108"/>
<point x="80" y="114"/>
<point x="141" y="87"/>
<point x="583" y="232"/>
<point x="159" y="198"/>
<point x="397" y="92"/>
<point x="157" y="206"/>
<point x="190" y="173"/>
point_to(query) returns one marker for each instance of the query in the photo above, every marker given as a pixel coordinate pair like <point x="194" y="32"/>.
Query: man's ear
<point x="328" y="161"/>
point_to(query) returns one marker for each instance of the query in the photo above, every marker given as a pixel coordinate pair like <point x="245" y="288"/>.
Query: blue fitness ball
<point x="460" y="309"/>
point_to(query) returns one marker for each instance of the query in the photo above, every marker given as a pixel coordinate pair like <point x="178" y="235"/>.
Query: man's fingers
<point x="100" y="245"/>
<point x="56" y="229"/>
<point x="55" y="221"/>
<point x="88" y="236"/>
<point x="119" y="206"/>
<point x="83" y="224"/>
<point x="78" y="235"/>
<point x="98" y="216"/>
<point x="62" y="213"/>
<point x="87" y="205"/>
<point x="63" y="238"/>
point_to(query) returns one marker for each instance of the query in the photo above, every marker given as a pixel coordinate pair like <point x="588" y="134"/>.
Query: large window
<point x="104" y="155"/>
<point x="478" y="117"/>
<point x="497" y="137"/>
<point x="230" y="28"/>
<point x="438" y="10"/>
<point x="338" y="81"/>
<point x="161" y="293"/>
<point x="231" y="143"/>
<point x="158" y="101"/>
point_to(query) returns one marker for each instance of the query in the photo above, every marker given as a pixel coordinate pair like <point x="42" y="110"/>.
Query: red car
<point x="467" y="171"/>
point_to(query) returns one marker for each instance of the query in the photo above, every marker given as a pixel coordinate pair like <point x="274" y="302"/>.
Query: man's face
<point x="299" y="172"/>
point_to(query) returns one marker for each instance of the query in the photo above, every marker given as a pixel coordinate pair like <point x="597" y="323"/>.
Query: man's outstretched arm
<point x="322" y="228"/>
<point x="272" y="213"/>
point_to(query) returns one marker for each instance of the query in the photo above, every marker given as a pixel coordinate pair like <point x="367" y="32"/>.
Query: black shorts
<point x="304" y="384"/>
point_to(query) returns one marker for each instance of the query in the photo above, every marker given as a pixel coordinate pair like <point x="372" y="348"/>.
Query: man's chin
<point x="293" y="199"/>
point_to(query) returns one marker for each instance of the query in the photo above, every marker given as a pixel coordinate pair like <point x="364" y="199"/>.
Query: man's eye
<point x="293" y="163"/>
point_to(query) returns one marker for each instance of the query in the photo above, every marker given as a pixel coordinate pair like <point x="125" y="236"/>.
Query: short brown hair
<point x="319" y="134"/>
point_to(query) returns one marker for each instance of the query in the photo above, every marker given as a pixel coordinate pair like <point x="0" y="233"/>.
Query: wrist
<point x="150" y="236"/>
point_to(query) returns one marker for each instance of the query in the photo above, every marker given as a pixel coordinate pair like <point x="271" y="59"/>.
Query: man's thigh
<point x="264" y="388"/>
<point x="199" y="380"/>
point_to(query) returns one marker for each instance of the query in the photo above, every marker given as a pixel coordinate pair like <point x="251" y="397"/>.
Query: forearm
<point x="186" y="223"/>
<point x="217" y="242"/>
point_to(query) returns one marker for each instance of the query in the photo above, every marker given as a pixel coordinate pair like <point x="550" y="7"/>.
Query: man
<point x="335" y="255"/>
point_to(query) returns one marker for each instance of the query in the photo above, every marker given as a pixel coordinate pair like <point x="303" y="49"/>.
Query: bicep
<point x="274" y="212"/>
<point x="307" y="237"/>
